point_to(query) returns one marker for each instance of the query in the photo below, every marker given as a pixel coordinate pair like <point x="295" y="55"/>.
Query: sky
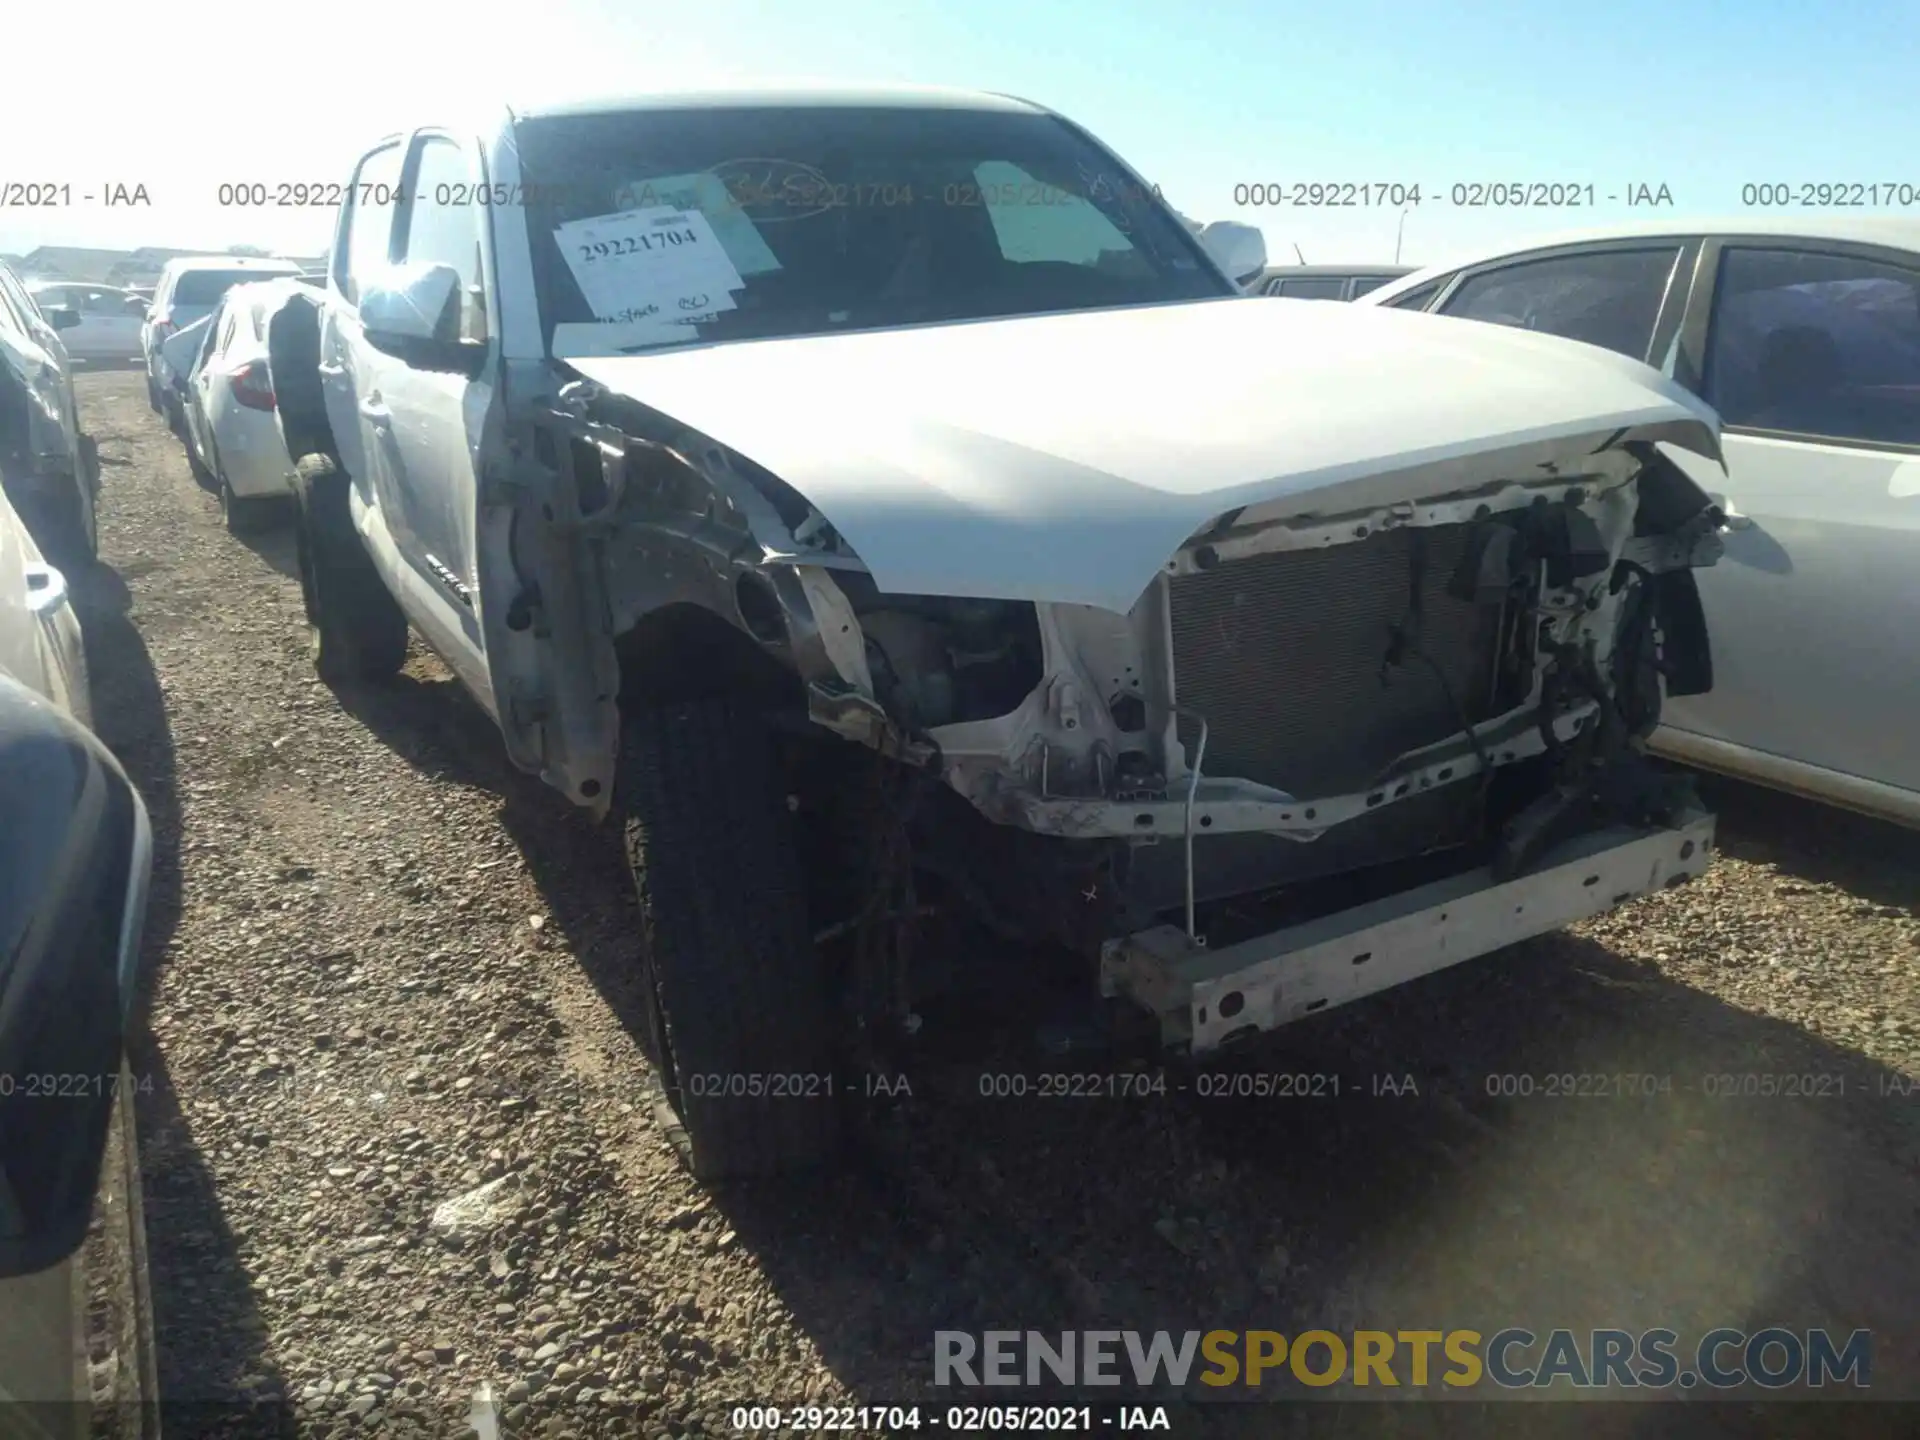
<point x="1207" y="103"/>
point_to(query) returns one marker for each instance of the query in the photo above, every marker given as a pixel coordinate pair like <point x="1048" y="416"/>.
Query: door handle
<point x="375" y="413"/>
<point x="330" y="370"/>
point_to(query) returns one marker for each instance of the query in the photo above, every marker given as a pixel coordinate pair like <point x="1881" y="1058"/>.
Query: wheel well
<point x="293" y="359"/>
<point x="685" y="652"/>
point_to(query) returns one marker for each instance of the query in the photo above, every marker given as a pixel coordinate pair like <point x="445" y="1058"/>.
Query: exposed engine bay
<point x="1297" y="698"/>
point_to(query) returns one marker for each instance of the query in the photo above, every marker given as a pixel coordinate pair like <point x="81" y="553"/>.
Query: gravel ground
<point x="388" y="970"/>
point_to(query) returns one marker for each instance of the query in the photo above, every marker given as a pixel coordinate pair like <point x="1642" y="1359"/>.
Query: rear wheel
<point x="735" y="991"/>
<point x="357" y="630"/>
<point x="153" y="395"/>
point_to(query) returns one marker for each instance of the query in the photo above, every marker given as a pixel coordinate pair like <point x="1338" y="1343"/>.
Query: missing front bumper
<point x="1205" y="998"/>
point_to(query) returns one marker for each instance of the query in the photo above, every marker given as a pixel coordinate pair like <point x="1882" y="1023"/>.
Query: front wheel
<point x="735" y="991"/>
<point x="356" y="629"/>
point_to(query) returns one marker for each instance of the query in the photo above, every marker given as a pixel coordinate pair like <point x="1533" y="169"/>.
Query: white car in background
<point x="1324" y="282"/>
<point x="110" y="319"/>
<point x="231" y="433"/>
<point x="1805" y="335"/>
<point x="76" y="1326"/>
<point x="49" y="466"/>
<point x="187" y="291"/>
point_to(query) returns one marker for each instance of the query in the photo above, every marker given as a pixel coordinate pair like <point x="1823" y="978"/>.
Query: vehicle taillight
<point x="162" y="326"/>
<point x="252" y="385"/>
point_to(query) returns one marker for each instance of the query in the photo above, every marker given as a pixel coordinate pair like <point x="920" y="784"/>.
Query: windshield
<point x="675" y="226"/>
<point x="205" y="287"/>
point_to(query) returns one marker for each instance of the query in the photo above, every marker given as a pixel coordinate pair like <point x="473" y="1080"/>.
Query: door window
<point x="368" y="220"/>
<point x="444" y="234"/>
<point x="1609" y="298"/>
<point x="1814" y="344"/>
<point x="1365" y="284"/>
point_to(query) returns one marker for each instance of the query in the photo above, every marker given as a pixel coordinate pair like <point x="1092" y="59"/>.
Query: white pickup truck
<point x="883" y="506"/>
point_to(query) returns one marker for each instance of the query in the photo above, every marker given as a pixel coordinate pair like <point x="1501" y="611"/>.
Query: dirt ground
<point x="387" y="969"/>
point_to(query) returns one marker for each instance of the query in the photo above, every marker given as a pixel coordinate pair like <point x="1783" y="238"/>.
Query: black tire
<point x="357" y="630"/>
<point x="153" y="394"/>
<point x="735" y="991"/>
<point x="176" y="419"/>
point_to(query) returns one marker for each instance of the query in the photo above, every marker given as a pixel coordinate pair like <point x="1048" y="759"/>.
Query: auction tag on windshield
<point x="656" y="256"/>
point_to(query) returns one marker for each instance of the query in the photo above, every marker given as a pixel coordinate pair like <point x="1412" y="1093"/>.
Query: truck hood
<point x="1065" y="458"/>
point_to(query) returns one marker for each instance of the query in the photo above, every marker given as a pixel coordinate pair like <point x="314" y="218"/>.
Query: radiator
<point x="1282" y="654"/>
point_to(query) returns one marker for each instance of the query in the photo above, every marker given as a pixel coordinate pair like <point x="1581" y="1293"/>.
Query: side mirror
<point x="1240" y="250"/>
<point x="413" y="312"/>
<point x="75" y="857"/>
<point x="62" y="317"/>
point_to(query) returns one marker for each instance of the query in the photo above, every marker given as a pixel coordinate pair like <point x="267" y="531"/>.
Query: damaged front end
<point x="1303" y="715"/>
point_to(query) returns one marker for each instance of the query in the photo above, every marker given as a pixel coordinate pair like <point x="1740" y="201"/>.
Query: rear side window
<point x="1609" y="298"/>
<point x="1319" y="287"/>
<point x="1366" y="284"/>
<point x="205" y="287"/>
<point x="1826" y="346"/>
